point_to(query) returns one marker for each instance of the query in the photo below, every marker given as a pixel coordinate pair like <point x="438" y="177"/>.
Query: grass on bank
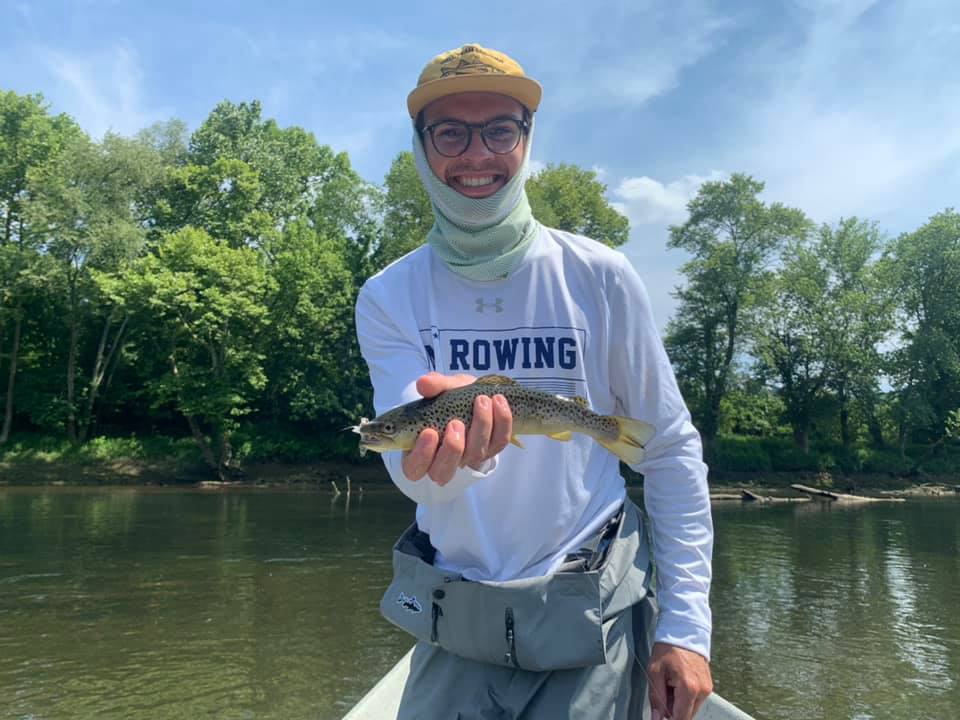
<point x="250" y="446"/>
<point x="728" y="454"/>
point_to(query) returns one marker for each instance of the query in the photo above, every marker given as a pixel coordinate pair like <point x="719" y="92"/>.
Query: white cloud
<point x="863" y="115"/>
<point x="652" y="206"/>
<point x="851" y="109"/>
<point x="102" y="91"/>
<point x="646" y="201"/>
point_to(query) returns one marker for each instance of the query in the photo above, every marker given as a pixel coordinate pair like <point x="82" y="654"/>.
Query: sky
<point x="842" y="107"/>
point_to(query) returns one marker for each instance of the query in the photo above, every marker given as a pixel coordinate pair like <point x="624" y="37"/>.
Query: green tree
<point x="312" y="364"/>
<point x="732" y="237"/>
<point x="858" y="311"/>
<point x="312" y="220"/>
<point x="200" y="305"/>
<point x="242" y="178"/>
<point x="286" y="161"/>
<point x="751" y="408"/>
<point x="570" y="198"/>
<point x="29" y="140"/>
<point x="819" y="329"/>
<point x="923" y="268"/>
<point x="346" y="209"/>
<point x="408" y="213"/>
<point x="89" y="206"/>
<point x="789" y="339"/>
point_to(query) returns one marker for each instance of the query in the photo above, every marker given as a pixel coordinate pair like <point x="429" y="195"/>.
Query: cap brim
<point x="522" y="89"/>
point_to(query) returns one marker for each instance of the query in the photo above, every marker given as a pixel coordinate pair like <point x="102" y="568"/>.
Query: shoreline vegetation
<point x="181" y="303"/>
<point x="162" y="461"/>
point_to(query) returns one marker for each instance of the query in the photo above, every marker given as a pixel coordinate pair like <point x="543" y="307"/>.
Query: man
<point x="518" y="536"/>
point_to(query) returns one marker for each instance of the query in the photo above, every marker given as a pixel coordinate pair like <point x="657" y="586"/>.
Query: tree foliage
<point x="924" y="269"/>
<point x="818" y="329"/>
<point x="732" y="237"/>
<point x="408" y="214"/>
<point x="204" y="284"/>
<point x="198" y="304"/>
<point x="570" y="198"/>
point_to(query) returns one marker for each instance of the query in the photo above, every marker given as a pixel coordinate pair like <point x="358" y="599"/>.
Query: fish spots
<point x="534" y="412"/>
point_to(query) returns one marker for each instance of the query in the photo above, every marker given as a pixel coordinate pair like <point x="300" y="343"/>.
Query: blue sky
<point x="843" y="107"/>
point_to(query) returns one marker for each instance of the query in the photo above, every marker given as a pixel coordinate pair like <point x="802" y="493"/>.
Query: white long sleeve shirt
<point x="573" y="318"/>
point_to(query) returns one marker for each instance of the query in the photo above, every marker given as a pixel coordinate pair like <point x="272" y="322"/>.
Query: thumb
<point x="433" y="383"/>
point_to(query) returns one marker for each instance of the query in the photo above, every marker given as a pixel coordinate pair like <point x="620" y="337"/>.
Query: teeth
<point x="477" y="181"/>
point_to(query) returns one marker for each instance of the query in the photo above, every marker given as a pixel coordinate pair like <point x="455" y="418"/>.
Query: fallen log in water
<point x="714" y="497"/>
<point x="841" y="497"/>
<point x="750" y="496"/>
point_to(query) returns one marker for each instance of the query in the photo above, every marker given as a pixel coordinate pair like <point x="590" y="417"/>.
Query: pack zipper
<point x="511" y="655"/>
<point x="435" y="614"/>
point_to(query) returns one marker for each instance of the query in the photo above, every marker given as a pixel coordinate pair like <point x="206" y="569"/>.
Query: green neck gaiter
<point x="481" y="239"/>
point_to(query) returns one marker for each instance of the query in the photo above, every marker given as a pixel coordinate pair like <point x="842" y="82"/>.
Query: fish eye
<point x="388" y="427"/>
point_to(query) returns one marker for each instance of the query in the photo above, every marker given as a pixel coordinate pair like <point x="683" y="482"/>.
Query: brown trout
<point x="534" y="413"/>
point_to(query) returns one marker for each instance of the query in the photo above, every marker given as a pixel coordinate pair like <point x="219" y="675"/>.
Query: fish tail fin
<point x="633" y="437"/>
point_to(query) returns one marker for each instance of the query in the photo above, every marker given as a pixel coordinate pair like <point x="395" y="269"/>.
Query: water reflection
<point x="917" y="641"/>
<point x="822" y="612"/>
<point x="120" y="603"/>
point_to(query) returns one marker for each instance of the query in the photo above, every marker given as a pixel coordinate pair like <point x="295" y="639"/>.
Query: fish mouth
<point x="376" y="435"/>
<point x="375" y="442"/>
<point x="369" y="438"/>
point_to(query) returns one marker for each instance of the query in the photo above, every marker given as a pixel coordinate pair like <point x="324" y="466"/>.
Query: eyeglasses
<point x="451" y="138"/>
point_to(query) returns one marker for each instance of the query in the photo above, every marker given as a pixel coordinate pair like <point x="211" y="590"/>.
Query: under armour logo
<point x="497" y="305"/>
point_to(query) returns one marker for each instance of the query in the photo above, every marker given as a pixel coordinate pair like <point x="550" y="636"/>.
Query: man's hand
<point x="490" y="432"/>
<point x="679" y="682"/>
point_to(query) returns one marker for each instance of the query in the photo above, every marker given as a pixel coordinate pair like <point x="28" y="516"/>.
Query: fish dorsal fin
<point x="495" y="380"/>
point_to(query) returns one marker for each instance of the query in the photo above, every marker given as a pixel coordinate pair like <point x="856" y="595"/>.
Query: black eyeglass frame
<point x="523" y="125"/>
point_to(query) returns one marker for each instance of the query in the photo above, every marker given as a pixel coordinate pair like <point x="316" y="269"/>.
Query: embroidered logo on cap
<point x="471" y="60"/>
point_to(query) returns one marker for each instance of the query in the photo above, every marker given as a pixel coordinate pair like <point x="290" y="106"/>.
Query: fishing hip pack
<point x="553" y="622"/>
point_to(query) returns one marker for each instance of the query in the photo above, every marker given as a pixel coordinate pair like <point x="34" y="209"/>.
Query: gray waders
<point x="573" y="644"/>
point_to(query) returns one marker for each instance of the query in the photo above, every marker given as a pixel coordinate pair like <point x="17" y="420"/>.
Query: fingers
<point x="658" y="690"/>
<point x="434" y="383"/>
<point x="491" y="427"/>
<point x="502" y="426"/>
<point x="447" y="459"/>
<point x="699" y="701"/>
<point x="432" y="457"/>
<point x="416" y="462"/>
<point x="680" y="681"/>
<point x="683" y="699"/>
<point x="478" y="437"/>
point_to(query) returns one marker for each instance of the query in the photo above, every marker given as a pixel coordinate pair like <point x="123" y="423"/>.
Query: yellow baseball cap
<point x="473" y="68"/>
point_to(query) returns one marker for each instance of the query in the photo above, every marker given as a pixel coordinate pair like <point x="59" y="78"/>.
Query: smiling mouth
<point x="471" y="184"/>
<point x="478" y="181"/>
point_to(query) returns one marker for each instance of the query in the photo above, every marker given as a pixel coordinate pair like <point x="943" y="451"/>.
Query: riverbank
<point x="160" y="471"/>
<point x="323" y="475"/>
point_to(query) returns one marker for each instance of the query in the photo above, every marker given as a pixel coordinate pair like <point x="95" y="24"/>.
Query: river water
<point x="162" y="603"/>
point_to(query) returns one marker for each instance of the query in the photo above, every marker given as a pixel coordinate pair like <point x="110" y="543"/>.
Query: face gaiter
<point x="479" y="238"/>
